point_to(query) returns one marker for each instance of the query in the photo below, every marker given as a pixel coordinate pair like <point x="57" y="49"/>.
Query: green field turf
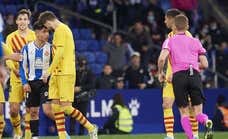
<point x="217" y="135"/>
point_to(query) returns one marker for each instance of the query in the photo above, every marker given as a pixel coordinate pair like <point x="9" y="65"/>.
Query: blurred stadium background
<point x="142" y="28"/>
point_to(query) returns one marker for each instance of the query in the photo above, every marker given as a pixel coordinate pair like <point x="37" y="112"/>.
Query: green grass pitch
<point x="217" y="135"/>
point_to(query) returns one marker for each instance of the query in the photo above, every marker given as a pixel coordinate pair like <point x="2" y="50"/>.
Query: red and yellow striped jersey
<point x="16" y="42"/>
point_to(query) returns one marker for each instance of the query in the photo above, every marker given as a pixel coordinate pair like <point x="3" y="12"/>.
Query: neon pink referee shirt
<point x="183" y="51"/>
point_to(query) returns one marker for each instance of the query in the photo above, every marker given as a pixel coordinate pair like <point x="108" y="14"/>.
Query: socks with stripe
<point x="28" y="133"/>
<point x="186" y="125"/>
<point x="169" y="122"/>
<point x="16" y="123"/>
<point x="34" y="124"/>
<point x="59" y="120"/>
<point x="77" y="115"/>
<point x="194" y="124"/>
<point x="2" y="125"/>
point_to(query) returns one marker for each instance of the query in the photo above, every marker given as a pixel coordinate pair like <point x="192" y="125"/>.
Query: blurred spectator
<point x="84" y="90"/>
<point x="140" y="37"/>
<point x="141" y="41"/>
<point x="158" y="12"/>
<point x="222" y="59"/>
<point x="120" y="121"/>
<point x="10" y="25"/>
<point x="220" y="119"/>
<point x="106" y="80"/>
<point x="136" y="76"/>
<point x="156" y="29"/>
<point x="118" y="52"/>
<point x="215" y="31"/>
<point x="120" y="83"/>
<point x="153" y="79"/>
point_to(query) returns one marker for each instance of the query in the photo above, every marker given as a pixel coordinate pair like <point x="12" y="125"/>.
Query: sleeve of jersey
<point x="6" y="50"/>
<point x="59" y="44"/>
<point x="166" y="45"/>
<point x="201" y="50"/>
<point x="23" y="65"/>
<point x="9" y="63"/>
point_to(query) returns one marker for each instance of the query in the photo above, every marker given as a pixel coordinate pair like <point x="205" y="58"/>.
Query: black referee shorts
<point x="186" y="85"/>
<point x="38" y="94"/>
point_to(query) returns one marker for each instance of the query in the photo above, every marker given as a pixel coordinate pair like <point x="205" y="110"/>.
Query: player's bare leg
<point x="47" y="109"/>
<point x="168" y="116"/>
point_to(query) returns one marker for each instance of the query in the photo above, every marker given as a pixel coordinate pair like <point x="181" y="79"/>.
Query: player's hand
<point x="16" y="72"/>
<point x="45" y="78"/>
<point x="27" y="88"/>
<point x="161" y="77"/>
<point x="77" y="89"/>
<point x="170" y="78"/>
<point x="14" y="56"/>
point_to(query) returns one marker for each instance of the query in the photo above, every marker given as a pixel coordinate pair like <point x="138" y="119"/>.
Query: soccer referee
<point x="184" y="53"/>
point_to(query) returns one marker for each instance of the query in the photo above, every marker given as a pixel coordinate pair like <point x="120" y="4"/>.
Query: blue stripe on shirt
<point x="38" y="57"/>
<point x="21" y="69"/>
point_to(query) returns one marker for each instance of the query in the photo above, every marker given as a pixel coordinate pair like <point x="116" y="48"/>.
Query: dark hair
<point x="118" y="100"/>
<point x="118" y="34"/>
<point x="24" y="11"/>
<point x="38" y="26"/>
<point x="173" y="12"/>
<point x="82" y="61"/>
<point x="46" y="16"/>
<point x="181" y="22"/>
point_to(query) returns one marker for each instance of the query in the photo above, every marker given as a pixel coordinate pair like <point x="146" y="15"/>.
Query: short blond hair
<point x="181" y="22"/>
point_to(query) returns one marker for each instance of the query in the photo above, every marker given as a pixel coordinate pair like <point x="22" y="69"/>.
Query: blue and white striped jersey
<point x="36" y="61"/>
